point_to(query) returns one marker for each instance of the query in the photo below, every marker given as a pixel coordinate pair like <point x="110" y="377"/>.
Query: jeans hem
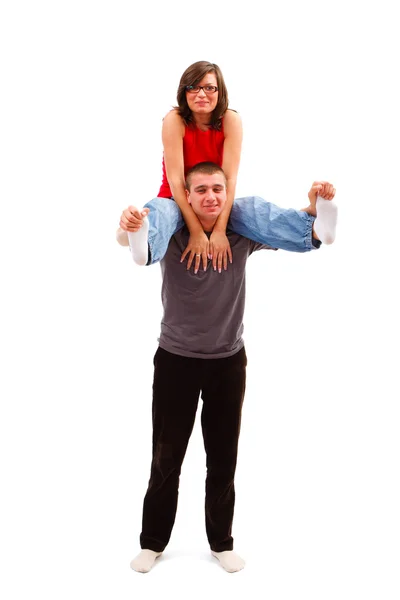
<point x="309" y="233"/>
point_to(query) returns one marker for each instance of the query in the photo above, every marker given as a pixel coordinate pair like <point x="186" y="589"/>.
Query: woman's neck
<point x="202" y="121"/>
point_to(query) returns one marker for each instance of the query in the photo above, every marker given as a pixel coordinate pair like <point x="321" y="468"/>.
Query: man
<point x="201" y="350"/>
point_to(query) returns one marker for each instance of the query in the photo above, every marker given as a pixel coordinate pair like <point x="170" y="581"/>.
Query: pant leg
<point x="266" y="223"/>
<point x="223" y="394"/>
<point x="176" y="389"/>
<point x="165" y="219"/>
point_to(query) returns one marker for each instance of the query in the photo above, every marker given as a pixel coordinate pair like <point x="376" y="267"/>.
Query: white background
<point x="85" y="86"/>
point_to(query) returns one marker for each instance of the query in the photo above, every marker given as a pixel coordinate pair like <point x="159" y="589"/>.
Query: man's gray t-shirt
<point x="203" y="313"/>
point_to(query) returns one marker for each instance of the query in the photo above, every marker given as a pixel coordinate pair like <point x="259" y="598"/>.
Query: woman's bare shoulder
<point x="173" y="128"/>
<point x="231" y="116"/>
<point x="173" y="124"/>
<point x="232" y="123"/>
<point x="173" y="117"/>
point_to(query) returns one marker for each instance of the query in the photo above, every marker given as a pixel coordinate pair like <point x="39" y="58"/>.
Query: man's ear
<point x="187" y="195"/>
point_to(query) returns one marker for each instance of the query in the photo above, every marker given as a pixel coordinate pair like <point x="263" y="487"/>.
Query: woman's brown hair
<point x="192" y="76"/>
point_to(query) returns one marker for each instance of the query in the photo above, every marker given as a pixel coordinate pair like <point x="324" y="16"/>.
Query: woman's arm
<point x="232" y="149"/>
<point x="172" y="136"/>
<point x="220" y="249"/>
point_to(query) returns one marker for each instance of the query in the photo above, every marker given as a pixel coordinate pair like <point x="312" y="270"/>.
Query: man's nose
<point x="210" y="196"/>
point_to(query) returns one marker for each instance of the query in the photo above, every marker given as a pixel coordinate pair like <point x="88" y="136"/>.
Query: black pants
<point x="177" y="384"/>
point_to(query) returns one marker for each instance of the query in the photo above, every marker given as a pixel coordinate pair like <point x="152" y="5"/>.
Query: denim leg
<point x="263" y="222"/>
<point x="165" y="219"/>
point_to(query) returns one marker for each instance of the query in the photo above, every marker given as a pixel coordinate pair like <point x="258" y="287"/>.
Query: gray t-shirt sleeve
<point x="255" y="246"/>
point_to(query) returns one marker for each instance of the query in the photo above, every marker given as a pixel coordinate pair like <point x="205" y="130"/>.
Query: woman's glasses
<point x="208" y="89"/>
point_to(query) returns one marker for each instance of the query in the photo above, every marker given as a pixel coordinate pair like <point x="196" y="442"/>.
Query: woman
<point x="203" y="128"/>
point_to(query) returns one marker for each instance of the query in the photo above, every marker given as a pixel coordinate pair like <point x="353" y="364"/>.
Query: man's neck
<point x="208" y="225"/>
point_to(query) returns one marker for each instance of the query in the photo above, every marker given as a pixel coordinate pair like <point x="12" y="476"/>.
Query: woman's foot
<point x="324" y="210"/>
<point x="138" y="243"/>
<point x="325" y="224"/>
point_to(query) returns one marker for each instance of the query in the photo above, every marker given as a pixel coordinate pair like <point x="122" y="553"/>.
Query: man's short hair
<point x="207" y="168"/>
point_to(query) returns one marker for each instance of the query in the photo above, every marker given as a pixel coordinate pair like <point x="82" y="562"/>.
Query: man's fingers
<point x="131" y="228"/>
<point x="130" y="218"/>
<point x="134" y="211"/>
<point x="124" y="223"/>
<point x="130" y="225"/>
<point x="328" y="191"/>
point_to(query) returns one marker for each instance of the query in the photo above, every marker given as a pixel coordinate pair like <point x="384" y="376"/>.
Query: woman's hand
<point x="220" y="250"/>
<point x="197" y="248"/>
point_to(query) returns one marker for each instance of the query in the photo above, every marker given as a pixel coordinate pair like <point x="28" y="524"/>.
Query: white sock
<point x="325" y="223"/>
<point x="138" y="243"/>
<point x="144" y="561"/>
<point x="229" y="560"/>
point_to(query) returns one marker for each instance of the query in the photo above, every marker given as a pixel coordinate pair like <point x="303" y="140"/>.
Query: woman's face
<point x="202" y="102"/>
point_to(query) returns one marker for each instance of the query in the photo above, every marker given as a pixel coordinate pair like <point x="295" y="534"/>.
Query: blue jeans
<point x="251" y="217"/>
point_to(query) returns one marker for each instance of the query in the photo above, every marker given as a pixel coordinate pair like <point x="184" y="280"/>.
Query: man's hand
<point x="132" y="218"/>
<point x="220" y="249"/>
<point x="197" y="248"/>
<point x="323" y="189"/>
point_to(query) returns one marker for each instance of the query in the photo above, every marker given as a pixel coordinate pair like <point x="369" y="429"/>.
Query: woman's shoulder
<point x="231" y="116"/>
<point x="173" y="116"/>
<point x="173" y="122"/>
<point x="232" y="123"/>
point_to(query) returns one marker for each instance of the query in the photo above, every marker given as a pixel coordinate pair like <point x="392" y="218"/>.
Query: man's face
<point x="207" y="195"/>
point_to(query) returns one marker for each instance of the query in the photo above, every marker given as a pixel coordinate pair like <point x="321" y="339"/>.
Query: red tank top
<point x="198" y="146"/>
